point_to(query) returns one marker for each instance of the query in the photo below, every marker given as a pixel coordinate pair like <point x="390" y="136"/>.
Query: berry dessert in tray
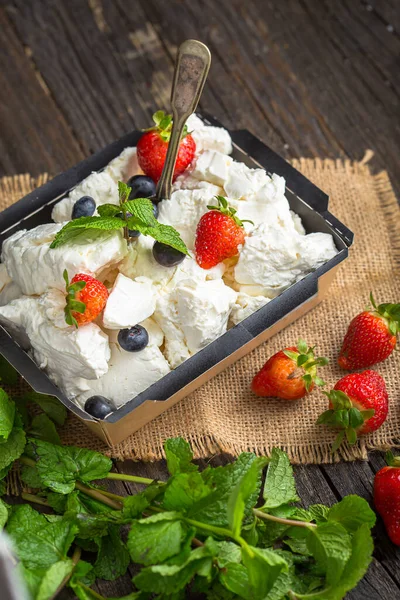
<point x="118" y="291"/>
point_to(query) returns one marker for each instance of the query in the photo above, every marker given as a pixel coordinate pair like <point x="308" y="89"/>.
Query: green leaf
<point x="52" y="579"/>
<point x="113" y="557"/>
<point x="227" y="552"/>
<point x="60" y="466"/>
<point x="264" y="567"/>
<point x="30" y="477"/>
<point x="184" y="490"/>
<point x="280" y="486"/>
<point x="315" y="512"/>
<point x="123" y="192"/>
<point x="12" y="449"/>
<point x="235" y="578"/>
<point x="290" y="354"/>
<point x="213" y="508"/>
<point x="76" y="227"/>
<point x="330" y="545"/>
<point x="168" y="579"/>
<point x="58" y="502"/>
<point x="8" y="375"/>
<point x="136" y="504"/>
<point x="179" y="456"/>
<point x="142" y="213"/>
<point x="39" y="544"/>
<point x="108" y="210"/>
<point x="245" y="489"/>
<point x="165" y="234"/>
<point x="302" y="346"/>
<point x="7" y="414"/>
<point x="152" y="542"/>
<point x="50" y="405"/>
<point x="44" y="429"/>
<point x="352" y="512"/>
<point x="4" y="508"/>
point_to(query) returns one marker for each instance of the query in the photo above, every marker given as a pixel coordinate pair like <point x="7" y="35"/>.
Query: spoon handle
<point x="191" y="69"/>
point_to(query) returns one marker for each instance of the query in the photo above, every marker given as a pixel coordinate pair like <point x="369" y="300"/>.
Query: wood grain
<point x="311" y="77"/>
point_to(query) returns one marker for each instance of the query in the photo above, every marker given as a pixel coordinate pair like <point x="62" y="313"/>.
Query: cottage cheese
<point x="245" y="306"/>
<point x="65" y="353"/>
<point x="192" y="315"/>
<point x="35" y="267"/>
<point x="212" y="166"/>
<point x="100" y="186"/>
<point x="124" y="166"/>
<point x="129" y="302"/>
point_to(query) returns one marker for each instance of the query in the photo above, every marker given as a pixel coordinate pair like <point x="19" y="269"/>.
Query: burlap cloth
<point x="223" y="415"/>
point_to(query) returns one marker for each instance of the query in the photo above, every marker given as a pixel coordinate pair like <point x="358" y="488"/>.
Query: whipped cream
<point x="213" y="167"/>
<point x="35" y="267"/>
<point x="192" y="315"/>
<point x="124" y="166"/>
<point x="129" y="303"/>
<point x="245" y="306"/>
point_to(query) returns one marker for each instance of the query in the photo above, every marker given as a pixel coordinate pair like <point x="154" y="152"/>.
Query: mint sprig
<point x="134" y="214"/>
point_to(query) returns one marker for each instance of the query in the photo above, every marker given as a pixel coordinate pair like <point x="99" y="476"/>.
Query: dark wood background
<point x="313" y="78"/>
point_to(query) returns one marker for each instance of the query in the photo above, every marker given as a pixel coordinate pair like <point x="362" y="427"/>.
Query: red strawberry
<point x="86" y="298"/>
<point x="358" y="404"/>
<point x="289" y="374"/>
<point x="371" y="336"/>
<point x="219" y="234"/>
<point x="153" y="145"/>
<point x="387" y="496"/>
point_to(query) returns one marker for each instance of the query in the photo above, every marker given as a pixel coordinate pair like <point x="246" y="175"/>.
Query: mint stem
<point x="75" y="559"/>
<point x="288" y="522"/>
<point x="133" y="478"/>
<point x="113" y="496"/>
<point x="92" y="592"/>
<point x="35" y="499"/>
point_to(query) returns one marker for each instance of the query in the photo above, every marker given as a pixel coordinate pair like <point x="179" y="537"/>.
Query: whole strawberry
<point x="86" y="298"/>
<point x="289" y="374"/>
<point x="371" y="336"/>
<point x="387" y="496"/>
<point x="358" y="404"/>
<point x="153" y="145"/>
<point x="219" y="234"/>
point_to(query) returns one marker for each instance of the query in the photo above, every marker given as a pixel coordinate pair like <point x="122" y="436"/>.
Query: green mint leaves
<point x="134" y="214"/>
<point x="200" y="530"/>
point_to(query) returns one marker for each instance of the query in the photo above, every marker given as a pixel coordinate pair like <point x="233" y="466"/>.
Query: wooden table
<point x="311" y="77"/>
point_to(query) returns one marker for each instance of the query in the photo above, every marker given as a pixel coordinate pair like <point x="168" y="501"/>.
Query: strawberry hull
<point x="308" y="201"/>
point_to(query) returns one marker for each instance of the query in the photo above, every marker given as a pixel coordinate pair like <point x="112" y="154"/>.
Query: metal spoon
<point x="191" y="69"/>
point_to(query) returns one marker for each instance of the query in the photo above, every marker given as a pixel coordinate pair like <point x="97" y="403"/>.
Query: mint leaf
<point x="280" y="486"/>
<point x="166" y="234"/>
<point x="330" y="545"/>
<point x="50" y="405"/>
<point x="44" y="429"/>
<point x="352" y="512"/>
<point x="136" y="504"/>
<point x="52" y="579"/>
<point x="123" y="191"/>
<point x="108" y="210"/>
<point x="151" y="541"/>
<point x="169" y="579"/>
<point x="3" y="513"/>
<point x="184" y="490"/>
<point x="227" y="552"/>
<point x="39" y="544"/>
<point x="247" y="487"/>
<point x="8" y="375"/>
<point x="12" y="448"/>
<point x="30" y="477"/>
<point x="113" y="557"/>
<point x="235" y="578"/>
<point x="179" y="456"/>
<point x="75" y="227"/>
<point x="60" y="466"/>
<point x="7" y="414"/>
<point x="141" y="210"/>
<point x="213" y="508"/>
<point x="58" y="502"/>
<point x="264" y="567"/>
<point x="315" y="512"/>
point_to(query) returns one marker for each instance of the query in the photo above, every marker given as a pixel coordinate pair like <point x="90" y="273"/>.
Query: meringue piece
<point x="213" y="167"/>
<point x="35" y="267"/>
<point x="10" y="292"/>
<point x="4" y="276"/>
<point x="245" y="306"/>
<point x="100" y="186"/>
<point x="54" y="302"/>
<point x="194" y="123"/>
<point x="186" y="181"/>
<point x="240" y="181"/>
<point x="129" y="373"/>
<point x="315" y="249"/>
<point x="212" y="138"/>
<point x="298" y="225"/>
<point x="129" y="302"/>
<point x="184" y="210"/>
<point x="192" y="316"/>
<point x="124" y="166"/>
<point x="66" y="354"/>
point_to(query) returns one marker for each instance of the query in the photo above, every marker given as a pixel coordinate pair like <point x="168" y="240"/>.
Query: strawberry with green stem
<point x="86" y="298"/>
<point x="371" y="336"/>
<point x="153" y="145"/>
<point x="289" y="374"/>
<point x="358" y="405"/>
<point x="387" y="496"/>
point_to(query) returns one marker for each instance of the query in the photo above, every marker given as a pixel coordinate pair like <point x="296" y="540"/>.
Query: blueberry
<point x="166" y="255"/>
<point x="142" y="187"/>
<point x="133" y="233"/>
<point x="98" y="407"/>
<point x="84" y="207"/>
<point x="133" y="339"/>
<point x="155" y="210"/>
